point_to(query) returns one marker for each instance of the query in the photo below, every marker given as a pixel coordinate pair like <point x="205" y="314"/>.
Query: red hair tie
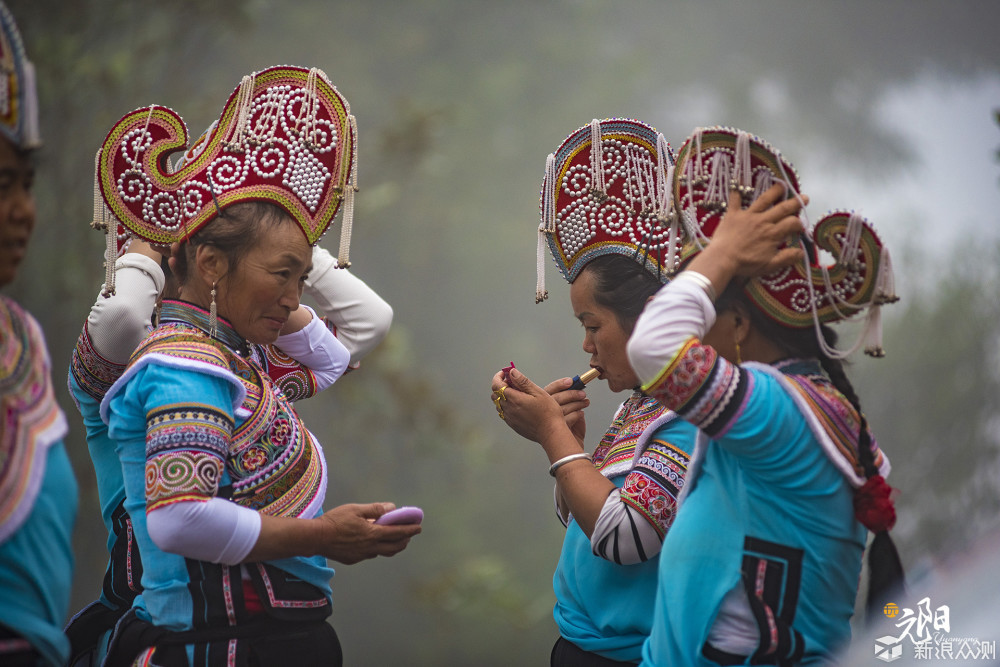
<point x="873" y="505"/>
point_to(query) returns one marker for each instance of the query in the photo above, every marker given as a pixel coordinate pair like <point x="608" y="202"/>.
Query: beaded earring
<point x="213" y="315"/>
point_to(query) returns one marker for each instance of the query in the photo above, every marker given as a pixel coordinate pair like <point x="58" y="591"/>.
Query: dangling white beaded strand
<point x="664" y="175"/>
<point x="597" y="156"/>
<point x="105" y="221"/>
<point x="110" y="259"/>
<point x="343" y="256"/>
<point x="549" y="195"/>
<point x="236" y="136"/>
<point x="547" y="226"/>
<point x="741" y="168"/>
<point x="852" y="240"/>
<point x="306" y="121"/>
<point x="213" y="315"/>
<point x="541" y="294"/>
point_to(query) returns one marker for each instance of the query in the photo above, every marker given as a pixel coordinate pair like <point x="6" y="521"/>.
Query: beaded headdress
<point x="18" y="97"/>
<point x="285" y="136"/>
<point x="710" y="163"/>
<point x="606" y="190"/>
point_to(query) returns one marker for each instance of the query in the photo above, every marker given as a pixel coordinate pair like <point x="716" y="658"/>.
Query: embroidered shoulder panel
<point x="30" y="419"/>
<point x="837" y="417"/>
<point x="653" y="486"/>
<point x="184" y="342"/>
<point x="616" y="451"/>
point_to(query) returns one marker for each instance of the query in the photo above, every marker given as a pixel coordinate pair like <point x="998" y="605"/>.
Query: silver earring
<point x="213" y="315"/>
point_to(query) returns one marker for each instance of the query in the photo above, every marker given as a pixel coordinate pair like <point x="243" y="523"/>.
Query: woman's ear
<point x="209" y="263"/>
<point x="741" y="322"/>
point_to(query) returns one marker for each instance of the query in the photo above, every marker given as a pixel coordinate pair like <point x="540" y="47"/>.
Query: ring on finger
<point x="500" y="394"/>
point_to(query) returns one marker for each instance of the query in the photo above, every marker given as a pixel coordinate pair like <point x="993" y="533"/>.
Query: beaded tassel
<point x="306" y="121"/>
<point x="105" y="221"/>
<point x="664" y="176"/>
<point x="852" y="241"/>
<point x="597" y="157"/>
<point x="32" y="133"/>
<point x="547" y="226"/>
<point x="213" y="315"/>
<point x="110" y="257"/>
<point x="238" y="130"/>
<point x="343" y="256"/>
<point x="885" y="292"/>
<point x="741" y="167"/>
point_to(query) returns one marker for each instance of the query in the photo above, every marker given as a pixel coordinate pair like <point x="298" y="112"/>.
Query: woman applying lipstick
<point x="600" y="205"/>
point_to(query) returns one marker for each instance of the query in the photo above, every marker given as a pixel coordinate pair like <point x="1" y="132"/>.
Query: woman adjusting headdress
<point x="223" y="482"/>
<point x="786" y="479"/>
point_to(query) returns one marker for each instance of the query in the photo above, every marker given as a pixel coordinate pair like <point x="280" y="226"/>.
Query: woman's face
<point x="17" y="209"/>
<point x="264" y="288"/>
<point x="604" y="338"/>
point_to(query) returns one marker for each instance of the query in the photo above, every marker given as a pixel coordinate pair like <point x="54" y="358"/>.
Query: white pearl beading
<point x="276" y="136"/>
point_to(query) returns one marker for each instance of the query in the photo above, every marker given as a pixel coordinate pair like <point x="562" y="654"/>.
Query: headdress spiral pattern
<point x="606" y="190"/>
<point x="713" y="161"/>
<point x="285" y="136"/>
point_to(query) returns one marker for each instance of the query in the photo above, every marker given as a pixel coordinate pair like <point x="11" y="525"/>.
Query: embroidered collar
<point x="188" y="313"/>
<point x="799" y="366"/>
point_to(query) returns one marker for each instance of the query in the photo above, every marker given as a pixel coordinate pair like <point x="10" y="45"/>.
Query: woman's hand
<point x="349" y="533"/>
<point x="573" y="402"/>
<point x="527" y="408"/>
<point x="751" y="241"/>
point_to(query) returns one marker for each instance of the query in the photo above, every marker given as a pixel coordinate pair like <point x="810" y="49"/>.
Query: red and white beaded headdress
<point x="606" y="190"/>
<point x="18" y="97"/>
<point x="285" y="136"/>
<point x="714" y="160"/>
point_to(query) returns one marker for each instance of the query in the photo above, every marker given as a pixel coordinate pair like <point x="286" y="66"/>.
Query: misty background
<point x="888" y="108"/>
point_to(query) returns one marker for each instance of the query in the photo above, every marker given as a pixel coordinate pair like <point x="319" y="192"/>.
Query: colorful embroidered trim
<point x="30" y="419"/>
<point x="92" y="373"/>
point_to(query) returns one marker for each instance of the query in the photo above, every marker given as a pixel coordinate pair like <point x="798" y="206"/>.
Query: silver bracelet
<point x="567" y="459"/>
<point x="702" y="281"/>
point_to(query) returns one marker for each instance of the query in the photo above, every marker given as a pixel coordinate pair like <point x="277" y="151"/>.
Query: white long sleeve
<point x="315" y="347"/>
<point x="361" y="317"/>
<point x="118" y="323"/>
<point x="216" y="530"/>
<point x="680" y="310"/>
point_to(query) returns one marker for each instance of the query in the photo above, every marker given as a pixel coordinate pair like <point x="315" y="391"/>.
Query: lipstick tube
<point x="583" y="378"/>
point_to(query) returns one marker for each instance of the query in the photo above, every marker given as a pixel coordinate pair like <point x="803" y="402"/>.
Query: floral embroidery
<point x="253" y="458"/>
<point x="653" y="486"/>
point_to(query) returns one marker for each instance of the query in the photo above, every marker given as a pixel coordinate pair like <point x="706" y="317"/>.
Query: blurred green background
<point x="884" y="107"/>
